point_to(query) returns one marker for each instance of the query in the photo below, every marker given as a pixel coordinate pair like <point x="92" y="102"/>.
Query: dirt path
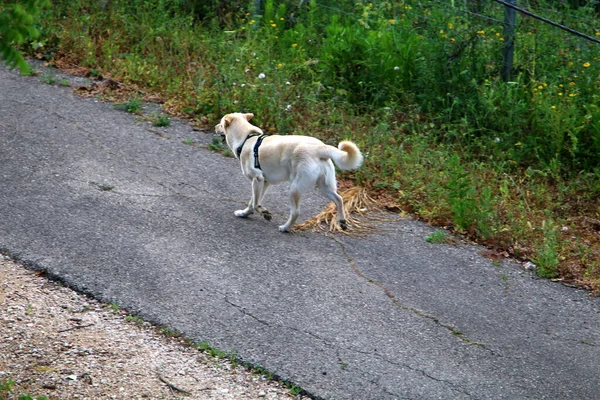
<point x="57" y="343"/>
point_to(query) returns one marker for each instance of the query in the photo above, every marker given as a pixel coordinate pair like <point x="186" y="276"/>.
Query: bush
<point x="17" y="26"/>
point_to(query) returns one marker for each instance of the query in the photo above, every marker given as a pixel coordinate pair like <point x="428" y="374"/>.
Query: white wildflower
<point x="261" y="76"/>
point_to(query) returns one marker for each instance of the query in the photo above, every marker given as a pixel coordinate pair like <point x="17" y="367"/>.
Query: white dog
<point x="302" y="160"/>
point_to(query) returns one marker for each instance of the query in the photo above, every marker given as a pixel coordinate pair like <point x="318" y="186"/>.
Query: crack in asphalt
<point x="244" y="311"/>
<point x="456" y="332"/>
<point x="329" y="344"/>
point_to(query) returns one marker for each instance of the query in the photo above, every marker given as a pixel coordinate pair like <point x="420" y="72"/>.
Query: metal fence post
<point x="510" y="17"/>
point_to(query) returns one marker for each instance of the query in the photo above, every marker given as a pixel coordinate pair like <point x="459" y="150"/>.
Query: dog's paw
<point x="267" y="215"/>
<point x="241" y="213"/>
<point x="283" y="228"/>
<point x="344" y="224"/>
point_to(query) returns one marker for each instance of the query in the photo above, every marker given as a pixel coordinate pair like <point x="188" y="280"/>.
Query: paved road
<point x="387" y="316"/>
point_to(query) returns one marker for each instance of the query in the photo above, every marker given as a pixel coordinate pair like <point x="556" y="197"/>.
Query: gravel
<point x="60" y="344"/>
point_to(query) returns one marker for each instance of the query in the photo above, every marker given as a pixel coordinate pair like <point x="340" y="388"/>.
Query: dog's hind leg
<point x="294" y="210"/>
<point x="328" y="186"/>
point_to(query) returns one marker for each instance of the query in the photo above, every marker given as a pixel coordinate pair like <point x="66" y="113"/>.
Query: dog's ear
<point x="227" y="120"/>
<point x="249" y="116"/>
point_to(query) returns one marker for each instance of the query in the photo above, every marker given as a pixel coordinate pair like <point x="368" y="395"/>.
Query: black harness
<point x="261" y="136"/>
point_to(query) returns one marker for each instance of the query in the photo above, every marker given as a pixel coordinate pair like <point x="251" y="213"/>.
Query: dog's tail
<point x="347" y="156"/>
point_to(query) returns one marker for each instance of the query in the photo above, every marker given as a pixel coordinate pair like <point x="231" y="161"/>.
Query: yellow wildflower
<point x="295" y="45"/>
<point x="587" y="64"/>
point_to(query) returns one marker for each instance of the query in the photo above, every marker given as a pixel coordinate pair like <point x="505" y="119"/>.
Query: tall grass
<point x="416" y="84"/>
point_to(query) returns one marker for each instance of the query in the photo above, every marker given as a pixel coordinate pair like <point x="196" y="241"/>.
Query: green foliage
<point x="469" y="211"/>
<point x="17" y="26"/>
<point x="161" y="120"/>
<point x="213" y="352"/>
<point x="133" y="105"/>
<point x="437" y="237"/>
<point x="6" y="388"/>
<point x="547" y="259"/>
<point x="135" y="320"/>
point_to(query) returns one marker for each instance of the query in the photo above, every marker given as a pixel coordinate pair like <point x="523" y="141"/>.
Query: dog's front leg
<point x="257" y="188"/>
<point x="260" y="208"/>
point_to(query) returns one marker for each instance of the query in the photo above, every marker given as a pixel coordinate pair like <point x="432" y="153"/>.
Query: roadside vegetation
<point x="417" y="85"/>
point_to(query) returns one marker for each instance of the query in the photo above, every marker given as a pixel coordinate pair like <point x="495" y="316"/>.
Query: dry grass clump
<point x="357" y="204"/>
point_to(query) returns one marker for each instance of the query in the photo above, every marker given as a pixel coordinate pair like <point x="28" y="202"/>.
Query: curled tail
<point x="347" y="156"/>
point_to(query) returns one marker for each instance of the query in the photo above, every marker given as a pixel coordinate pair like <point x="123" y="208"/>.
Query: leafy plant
<point x="48" y="78"/>
<point x="135" y="320"/>
<point x="546" y="258"/>
<point x="17" y="26"/>
<point x="6" y="388"/>
<point x="213" y="352"/>
<point x="436" y="237"/>
<point x="133" y="106"/>
<point x="160" y="120"/>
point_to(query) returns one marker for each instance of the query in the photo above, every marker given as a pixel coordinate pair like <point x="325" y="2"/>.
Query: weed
<point x="6" y="388"/>
<point x="469" y="212"/>
<point x="213" y="352"/>
<point x="295" y="390"/>
<point x="115" y="307"/>
<point x="133" y="106"/>
<point x="134" y="319"/>
<point x="188" y="141"/>
<point x="216" y="144"/>
<point x="48" y="78"/>
<point x="160" y="120"/>
<point x="546" y="258"/>
<point x="64" y="82"/>
<point x="169" y="332"/>
<point x="436" y="237"/>
<point x="260" y="370"/>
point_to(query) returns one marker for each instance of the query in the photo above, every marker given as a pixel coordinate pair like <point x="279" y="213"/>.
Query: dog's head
<point x="234" y="127"/>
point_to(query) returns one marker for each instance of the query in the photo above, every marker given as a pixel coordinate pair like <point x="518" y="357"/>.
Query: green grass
<point x="415" y="84"/>
<point x="133" y="105"/>
<point x="437" y="237"/>
<point x="7" y="387"/>
<point x="160" y="120"/>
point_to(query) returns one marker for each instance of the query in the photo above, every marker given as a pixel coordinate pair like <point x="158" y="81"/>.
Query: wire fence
<point x="494" y="12"/>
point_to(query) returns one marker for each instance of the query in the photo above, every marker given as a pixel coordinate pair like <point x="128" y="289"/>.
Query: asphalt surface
<point x="135" y="215"/>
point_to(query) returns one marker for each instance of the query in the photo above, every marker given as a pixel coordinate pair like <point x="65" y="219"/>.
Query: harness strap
<point x="256" y="146"/>
<point x="261" y="136"/>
